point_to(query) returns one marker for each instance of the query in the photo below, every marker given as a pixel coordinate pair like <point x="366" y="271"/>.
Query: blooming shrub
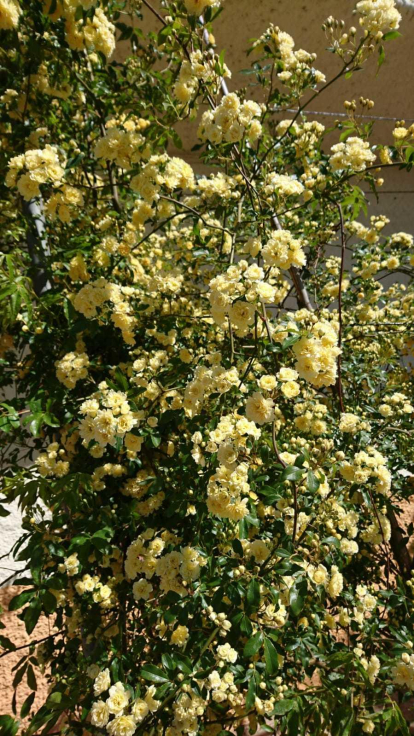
<point x="209" y="422"/>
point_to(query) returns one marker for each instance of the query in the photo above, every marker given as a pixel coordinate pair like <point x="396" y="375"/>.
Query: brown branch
<point x="300" y="288"/>
<point x="399" y="547"/>
<point x="31" y="643"/>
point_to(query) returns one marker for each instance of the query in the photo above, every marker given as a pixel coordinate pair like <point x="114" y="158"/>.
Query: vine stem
<point x="32" y="643"/>
<point x="340" y="318"/>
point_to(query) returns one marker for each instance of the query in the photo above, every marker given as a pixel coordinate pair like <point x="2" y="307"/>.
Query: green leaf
<point x="253" y="594"/>
<point x="280" y="552"/>
<point x="271" y="658"/>
<point x="168" y="662"/>
<point x="32" y="614"/>
<point x="282" y="707"/>
<point x="52" y="7"/>
<point x="381" y="56"/>
<point x="78" y="542"/>
<point x="162" y="690"/>
<point x="6" y="291"/>
<point x="153" y="674"/>
<point x="121" y="380"/>
<point x="297" y="597"/>
<point x="31" y="678"/>
<point x="251" y="694"/>
<point x="25" y="709"/>
<point x="313" y="482"/>
<point x="19" y="600"/>
<point x="237" y="547"/>
<point x="8" y="726"/>
<point x="253" y="645"/>
<point x="51" y="420"/>
<point x="36" y="421"/>
<point x="49" y="602"/>
<point x="246" y="627"/>
<point x="290" y="341"/>
<point x="183" y="663"/>
<point x="19" y="676"/>
<point x="342" y="721"/>
<point x="292" y="473"/>
<point x="391" y="35"/>
<point x="58" y="701"/>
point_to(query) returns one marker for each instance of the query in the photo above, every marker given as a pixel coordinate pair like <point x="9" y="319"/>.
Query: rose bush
<point x="210" y="425"/>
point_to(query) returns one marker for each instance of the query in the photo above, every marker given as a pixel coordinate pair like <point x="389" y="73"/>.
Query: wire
<point x="345" y="115"/>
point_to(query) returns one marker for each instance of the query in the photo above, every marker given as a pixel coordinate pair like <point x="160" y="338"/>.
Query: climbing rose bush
<point x="208" y="403"/>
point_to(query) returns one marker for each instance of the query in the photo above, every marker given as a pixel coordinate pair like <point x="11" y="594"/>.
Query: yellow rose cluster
<point x="53" y="462"/>
<point x="95" y="294"/>
<point x="316" y="355"/>
<point x="196" y="7"/>
<point x="378" y="16"/>
<point x="64" y="204"/>
<point x="124" y="143"/>
<point x="35" y="167"/>
<point x="126" y="713"/>
<point x="310" y="417"/>
<point x="108" y="416"/>
<point x="10" y="11"/>
<point x="231" y="121"/>
<point x="208" y="380"/>
<point x="194" y="71"/>
<point x="354" y="153"/>
<point x="365" y="465"/>
<point x="95" y="34"/>
<point x="162" y="171"/>
<point x="101" y="593"/>
<point x="224" y="492"/>
<point x="297" y="65"/>
<point x="176" y="569"/>
<point x="403" y="672"/>
<point x="139" y="486"/>
<point x="283" y="250"/>
<point x="78" y="270"/>
<point x="241" y="280"/>
<point x="72" y="368"/>
<point x="282" y="186"/>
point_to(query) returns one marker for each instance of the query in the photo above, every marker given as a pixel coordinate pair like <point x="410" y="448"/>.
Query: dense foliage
<point x="208" y="417"/>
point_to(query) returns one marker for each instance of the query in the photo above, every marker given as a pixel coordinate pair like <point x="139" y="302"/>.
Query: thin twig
<point x="31" y="643"/>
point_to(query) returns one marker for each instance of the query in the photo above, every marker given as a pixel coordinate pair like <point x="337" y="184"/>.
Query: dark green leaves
<point x="297" y="596"/>
<point x="8" y="726"/>
<point x="282" y="707"/>
<point x="271" y="658"/>
<point x="32" y="615"/>
<point x="291" y="472"/>
<point x="253" y="594"/>
<point x="253" y="645"/>
<point x="19" y="600"/>
<point x="251" y="694"/>
<point x="25" y="709"/>
<point x="31" y="678"/>
<point x="313" y="482"/>
<point x="342" y="721"/>
<point x="153" y="674"/>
